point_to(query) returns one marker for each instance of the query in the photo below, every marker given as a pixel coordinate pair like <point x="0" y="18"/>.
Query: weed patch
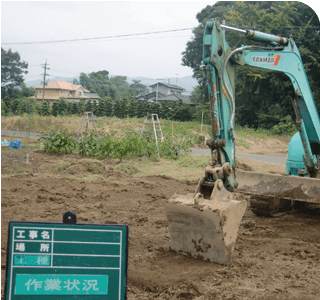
<point x="60" y="167"/>
<point x="15" y="169"/>
<point x="127" y="168"/>
<point x="97" y="168"/>
<point x="242" y="142"/>
<point x="194" y="161"/>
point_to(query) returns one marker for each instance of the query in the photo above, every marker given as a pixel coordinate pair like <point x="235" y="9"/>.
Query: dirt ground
<point x="274" y="258"/>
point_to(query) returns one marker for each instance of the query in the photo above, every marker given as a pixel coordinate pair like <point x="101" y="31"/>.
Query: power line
<point x="142" y="38"/>
<point x="98" y="38"/>
<point x="65" y="72"/>
<point x="33" y="76"/>
<point x="157" y="32"/>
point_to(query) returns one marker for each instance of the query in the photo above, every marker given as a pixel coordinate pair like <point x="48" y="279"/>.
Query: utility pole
<point x="44" y="78"/>
<point x="157" y="91"/>
<point x="158" y="88"/>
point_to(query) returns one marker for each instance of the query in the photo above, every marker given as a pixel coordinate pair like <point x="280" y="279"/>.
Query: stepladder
<point x="152" y="123"/>
<point x="89" y="123"/>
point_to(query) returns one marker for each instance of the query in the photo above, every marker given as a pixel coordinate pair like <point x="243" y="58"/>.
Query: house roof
<point x="92" y="95"/>
<point x="150" y="95"/>
<point x="174" y="97"/>
<point x="61" y="85"/>
<point x="172" y="86"/>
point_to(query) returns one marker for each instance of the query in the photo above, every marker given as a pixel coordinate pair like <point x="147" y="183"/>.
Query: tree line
<point x="115" y="87"/>
<point x="104" y="107"/>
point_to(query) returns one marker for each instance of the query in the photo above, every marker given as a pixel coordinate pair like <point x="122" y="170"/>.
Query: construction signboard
<point x="67" y="261"/>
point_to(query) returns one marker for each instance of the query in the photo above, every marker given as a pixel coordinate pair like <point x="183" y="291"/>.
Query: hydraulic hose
<point x="230" y="97"/>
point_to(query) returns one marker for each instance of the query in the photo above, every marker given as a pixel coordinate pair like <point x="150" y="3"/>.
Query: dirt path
<point x="276" y="258"/>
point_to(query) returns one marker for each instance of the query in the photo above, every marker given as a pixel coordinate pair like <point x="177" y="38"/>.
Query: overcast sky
<point x="154" y="56"/>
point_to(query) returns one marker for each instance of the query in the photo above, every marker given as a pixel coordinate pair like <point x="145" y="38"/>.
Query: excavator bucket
<point x="205" y="225"/>
<point x="274" y="193"/>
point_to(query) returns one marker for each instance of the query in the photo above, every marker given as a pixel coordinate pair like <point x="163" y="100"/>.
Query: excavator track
<point x="273" y="194"/>
<point x="266" y="205"/>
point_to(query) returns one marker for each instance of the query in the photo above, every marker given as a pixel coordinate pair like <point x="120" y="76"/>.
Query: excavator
<point x="214" y="203"/>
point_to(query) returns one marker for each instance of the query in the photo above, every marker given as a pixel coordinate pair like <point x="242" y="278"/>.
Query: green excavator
<point x="214" y="203"/>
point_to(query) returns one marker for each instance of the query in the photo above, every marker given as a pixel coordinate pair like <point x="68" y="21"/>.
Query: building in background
<point x="165" y="91"/>
<point x="56" y="90"/>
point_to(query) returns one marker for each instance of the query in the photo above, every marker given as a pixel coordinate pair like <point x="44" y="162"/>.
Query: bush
<point x="87" y="146"/>
<point x="285" y="127"/>
<point x="107" y="146"/>
<point x="61" y="142"/>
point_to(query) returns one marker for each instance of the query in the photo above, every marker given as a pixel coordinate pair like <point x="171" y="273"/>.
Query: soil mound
<point x="85" y="166"/>
<point x="242" y="166"/>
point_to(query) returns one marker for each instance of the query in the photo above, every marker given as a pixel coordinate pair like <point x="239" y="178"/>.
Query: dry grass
<point x="72" y="124"/>
<point x="263" y="167"/>
<point x="192" y="167"/>
<point x="247" y="140"/>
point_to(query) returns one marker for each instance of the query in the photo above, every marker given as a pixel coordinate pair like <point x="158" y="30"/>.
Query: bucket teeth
<point x="205" y="228"/>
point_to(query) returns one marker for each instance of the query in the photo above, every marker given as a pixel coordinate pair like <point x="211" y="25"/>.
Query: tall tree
<point x="99" y="82"/>
<point x="45" y="108"/>
<point x="155" y="107"/>
<point x="132" y="107"/>
<point x="117" y="109"/>
<point x="88" y="105"/>
<point x="108" y="107"/>
<point x="12" y="71"/>
<point x="99" y="111"/>
<point x="259" y="91"/>
<point x="165" y="110"/>
<point x="138" y="87"/>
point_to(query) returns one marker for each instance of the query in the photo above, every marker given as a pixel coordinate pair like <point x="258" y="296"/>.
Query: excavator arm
<point x="281" y="55"/>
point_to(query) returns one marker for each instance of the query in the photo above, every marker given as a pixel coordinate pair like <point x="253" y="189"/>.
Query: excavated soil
<point x="274" y="258"/>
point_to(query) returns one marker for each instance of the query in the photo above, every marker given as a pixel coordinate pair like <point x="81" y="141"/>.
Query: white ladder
<point x="153" y="120"/>
<point x="89" y="123"/>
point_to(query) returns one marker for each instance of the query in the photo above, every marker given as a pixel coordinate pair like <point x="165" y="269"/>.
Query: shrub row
<point x="107" y="146"/>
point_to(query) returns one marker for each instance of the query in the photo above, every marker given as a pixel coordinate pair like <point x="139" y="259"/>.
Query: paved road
<point x="21" y="134"/>
<point x="271" y="159"/>
<point x="265" y="158"/>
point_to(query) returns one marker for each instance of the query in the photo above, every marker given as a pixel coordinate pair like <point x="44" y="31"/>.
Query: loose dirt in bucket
<point x="274" y="258"/>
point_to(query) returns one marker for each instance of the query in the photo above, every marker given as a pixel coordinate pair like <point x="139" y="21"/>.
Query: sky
<point x="154" y="55"/>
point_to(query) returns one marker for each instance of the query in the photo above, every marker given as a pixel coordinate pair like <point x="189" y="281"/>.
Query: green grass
<point x="244" y="132"/>
<point x="128" y="168"/>
<point x="181" y="128"/>
<point x="15" y="170"/>
<point x="194" y="161"/>
<point x="60" y="166"/>
<point x="97" y="168"/>
<point x="240" y="141"/>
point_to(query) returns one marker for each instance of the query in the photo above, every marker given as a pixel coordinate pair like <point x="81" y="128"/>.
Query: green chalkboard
<point x="66" y="261"/>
